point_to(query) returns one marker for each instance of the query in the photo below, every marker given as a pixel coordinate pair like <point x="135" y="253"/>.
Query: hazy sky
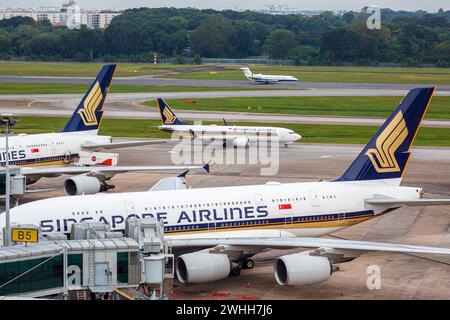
<point x="242" y="4"/>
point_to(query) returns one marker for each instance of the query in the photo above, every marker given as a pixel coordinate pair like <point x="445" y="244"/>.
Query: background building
<point x="70" y="15"/>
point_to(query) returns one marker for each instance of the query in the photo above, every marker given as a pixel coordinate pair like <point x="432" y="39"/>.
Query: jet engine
<point x="241" y="142"/>
<point x="302" y="269"/>
<point x="201" y="267"/>
<point x="85" y="185"/>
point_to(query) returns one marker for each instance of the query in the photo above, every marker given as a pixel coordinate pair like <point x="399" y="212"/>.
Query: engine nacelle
<point x="84" y="185"/>
<point x="241" y="142"/>
<point x="302" y="269"/>
<point x="201" y="267"/>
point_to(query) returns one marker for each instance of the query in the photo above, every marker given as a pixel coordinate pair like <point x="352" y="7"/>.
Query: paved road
<point x="127" y="110"/>
<point x="155" y="81"/>
<point x="140" y="96"/>
<point x="123" y="105"/>
<point x="344" y="152"/>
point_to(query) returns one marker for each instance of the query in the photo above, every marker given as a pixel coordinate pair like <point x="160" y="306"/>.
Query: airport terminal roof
<point x="53" y="247"/>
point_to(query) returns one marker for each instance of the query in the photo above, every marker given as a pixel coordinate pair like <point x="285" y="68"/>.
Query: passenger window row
<point x="202" y="205"/>
<point x="86" y="212"/>
<point x="301" y="198"/>
<point x="37" y="145"/>
<point x="289" y="199"/>
<point x="218" y="225"/>
<point x="314" y="218"/>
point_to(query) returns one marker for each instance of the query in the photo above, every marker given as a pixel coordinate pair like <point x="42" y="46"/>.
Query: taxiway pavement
<point x="131" y="110"/>
<point x="157" y="80"/>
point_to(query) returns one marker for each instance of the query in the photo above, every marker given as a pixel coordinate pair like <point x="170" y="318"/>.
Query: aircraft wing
<point x="114" y="145"/>
<point x="170" y="183"/>
<point x="101" y="170"/>
<point x="289" y="243"/>
<point x="407" y="202"/>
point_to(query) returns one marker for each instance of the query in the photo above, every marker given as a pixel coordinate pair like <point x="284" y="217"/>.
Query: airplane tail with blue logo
<point x="167" y="115"/>
<point x="386" y="156"/>
<point x="88" y="115"/>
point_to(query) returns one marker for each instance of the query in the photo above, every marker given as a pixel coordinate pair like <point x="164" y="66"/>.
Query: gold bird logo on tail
<point x="170" y="117"/>
<point x="90" y="105"/>
<point x="383" y="157"/>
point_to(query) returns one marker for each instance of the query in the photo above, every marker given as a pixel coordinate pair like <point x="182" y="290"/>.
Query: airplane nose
<point x="297" y="137"/>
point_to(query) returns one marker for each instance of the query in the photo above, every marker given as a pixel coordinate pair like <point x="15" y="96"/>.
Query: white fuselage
<point x="231" y="133"/>
<point x="271" y="210"/>
<point x="267" y="78"/>
<point x="46" y="149"/>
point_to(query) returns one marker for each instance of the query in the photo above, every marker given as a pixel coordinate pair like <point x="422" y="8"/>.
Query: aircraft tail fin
<point x="87" y="117"/>
<point x="168" y="116"/>
<point x="247" y="72"/>
<point x="387" y="154"/>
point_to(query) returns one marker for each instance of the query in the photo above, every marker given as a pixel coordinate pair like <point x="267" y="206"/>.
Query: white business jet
<point x="266" y="78"/>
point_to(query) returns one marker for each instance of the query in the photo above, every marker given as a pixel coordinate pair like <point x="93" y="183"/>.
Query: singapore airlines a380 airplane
<point x="218" y="230"/>
<point x="237" y="136"/>
<point x="44" y="155"/>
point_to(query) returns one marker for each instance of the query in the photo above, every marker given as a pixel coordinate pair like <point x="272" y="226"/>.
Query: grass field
<point x="331" y="106"/>
<point x="77" y="69"/>
<point x="47" y="88"/>
<point x="334" y="74"/>
<point x="310" y="133"/>
<point x="304" y="73"/>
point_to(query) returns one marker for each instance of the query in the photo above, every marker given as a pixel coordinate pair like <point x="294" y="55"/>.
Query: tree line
<point x="405" y="38"/>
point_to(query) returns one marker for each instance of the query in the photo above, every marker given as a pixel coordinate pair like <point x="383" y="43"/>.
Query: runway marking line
<point x="139" y="105"/>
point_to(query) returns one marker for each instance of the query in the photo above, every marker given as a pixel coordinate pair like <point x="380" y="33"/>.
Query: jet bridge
<point x="95" y="263"/>
<point x="18" y="185"/>
<point x="156" y="258"/>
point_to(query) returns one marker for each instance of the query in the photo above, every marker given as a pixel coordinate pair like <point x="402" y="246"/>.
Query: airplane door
<point x="67" y="158"/>
<point x="285" y="209"/>
<point x="314" y="198"/>
<point x="341" y="216"/>
<point x="51" y="145"/>
<point x="288" y="220"/>
<point x="211" y="226"/>
<point x="259" y="200"/>
<point x="130" y="209"/>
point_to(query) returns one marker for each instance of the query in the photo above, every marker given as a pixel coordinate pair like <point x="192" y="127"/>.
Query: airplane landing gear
<point x="236" y="271"/>
<point x="248" y="263"/>
<point x="242" y="264"/>
<point x="105" y="187"/>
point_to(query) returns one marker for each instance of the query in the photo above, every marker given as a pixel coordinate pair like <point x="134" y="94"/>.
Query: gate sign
<point x="24" y="235"/>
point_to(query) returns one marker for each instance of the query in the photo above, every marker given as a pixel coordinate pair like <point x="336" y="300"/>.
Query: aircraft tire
<point x="248" y="263"/>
